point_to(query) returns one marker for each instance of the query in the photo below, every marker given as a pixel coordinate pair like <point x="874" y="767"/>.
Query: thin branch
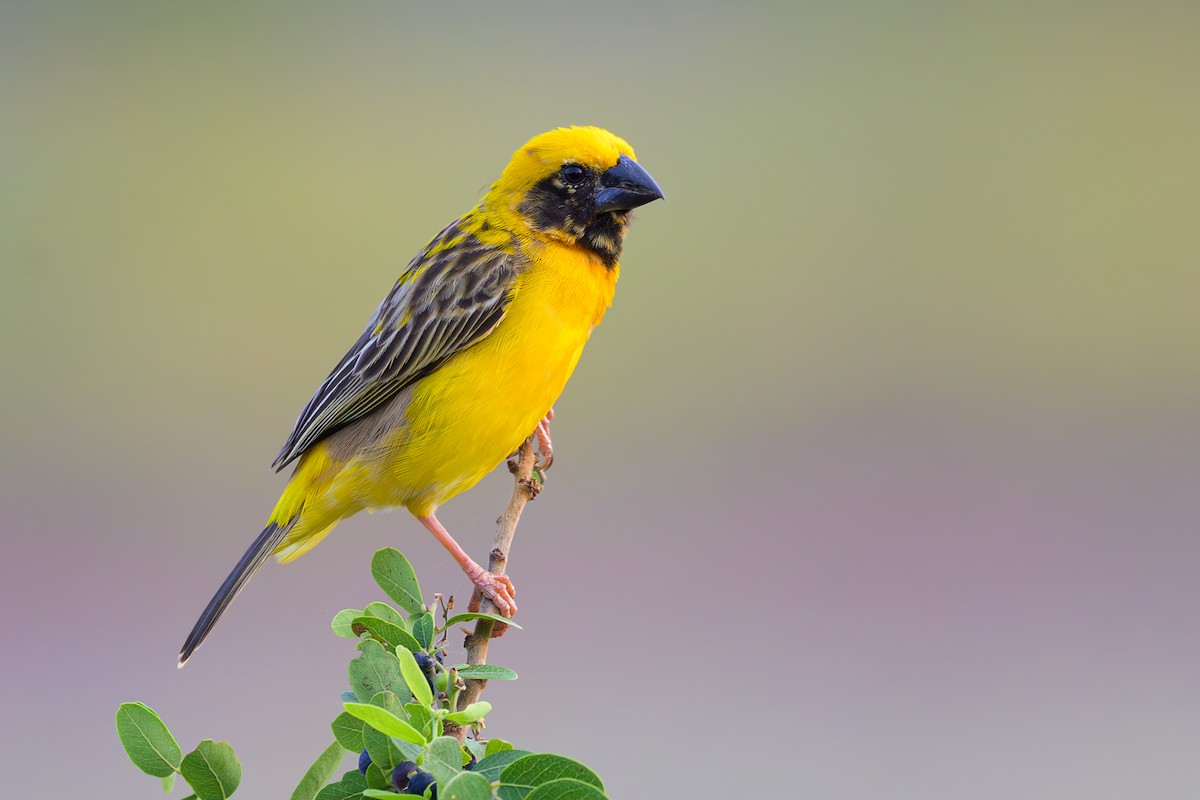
<point x="524" y="490"/>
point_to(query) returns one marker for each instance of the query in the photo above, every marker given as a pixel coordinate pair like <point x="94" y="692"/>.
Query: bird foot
<point x="497" y="588"/>
<point x="498" y="628"/>
<point x="544" y="446"/>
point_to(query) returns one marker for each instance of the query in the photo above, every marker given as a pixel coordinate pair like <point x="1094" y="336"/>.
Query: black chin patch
<point x="570" y="211"/>
<point x="605" y="235"/>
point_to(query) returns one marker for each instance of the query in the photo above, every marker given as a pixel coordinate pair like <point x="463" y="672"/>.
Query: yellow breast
<point x="479" y="405"/>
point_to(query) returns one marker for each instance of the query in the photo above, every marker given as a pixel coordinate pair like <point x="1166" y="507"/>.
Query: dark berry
<point x="418" y="783"/>
<point x="471" y="764"/>
<point x="402" y="773"/>
<point x="364" y="761"/>
<point x="440" y="655"/>
<point x="426" y="665"/>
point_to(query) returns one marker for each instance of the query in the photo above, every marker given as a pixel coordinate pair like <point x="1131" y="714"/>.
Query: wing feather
<point x="452" y="295"/>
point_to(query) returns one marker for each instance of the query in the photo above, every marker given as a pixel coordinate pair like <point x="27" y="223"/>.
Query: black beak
<point x="626" y="186"/>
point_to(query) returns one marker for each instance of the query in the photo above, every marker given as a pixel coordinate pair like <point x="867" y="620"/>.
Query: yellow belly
<point x="467" y="416"/>
<point x="479" y="406"/>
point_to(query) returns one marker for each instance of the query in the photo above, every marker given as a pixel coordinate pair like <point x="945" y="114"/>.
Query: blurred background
<point x="879" y="479"/>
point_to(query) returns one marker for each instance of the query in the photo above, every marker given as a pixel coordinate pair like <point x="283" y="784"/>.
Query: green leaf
<point x="444" y="759"/>
<point x="385" y="721"/>
<point x="350" y="786"/>
<point x="566" y="789"/>
<point x="390" y="702"/>
<point x="470" y="714"/>
<point x="497" y="746"/>
<point x="168" y="783"/>
<point x="341" y="623"/>
<point x="385" y="753"/>
<point x="491" y="766"/>
<point x="385" y="613"/>
<point x="212" y="770"/>
<point x="421" y="718"/>
<point x="392" y="634"/>
<point x="475" y="747"/>
<point x="147" y="742"/>
<point x="395" y="576"/>
<point x="486" y="672"/>
<point x="376" y="670"/>
<point x="470" y="615"/>
<point x="414" y="677"/>
<point x="379" y="775"/>
<point x="423" y="630"/>
<point x="348" y="730"/>
<point x="380" y="793"/>
<point x="466" y="786"/>
<point x="524" y="774"/>
<point x="319" y="772"/>
<point x="391" y="750"/>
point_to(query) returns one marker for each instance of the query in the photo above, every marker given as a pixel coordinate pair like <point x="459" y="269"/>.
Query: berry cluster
<point x="407" y="777"/>
<point x="410" y="780"/>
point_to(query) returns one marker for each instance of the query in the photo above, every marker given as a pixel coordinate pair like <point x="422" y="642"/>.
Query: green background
<point x="879" y="479"/>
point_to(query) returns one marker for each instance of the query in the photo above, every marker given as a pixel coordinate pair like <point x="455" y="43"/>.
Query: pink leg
<point x="498" y="588"/>
<point x="545" y="449"/>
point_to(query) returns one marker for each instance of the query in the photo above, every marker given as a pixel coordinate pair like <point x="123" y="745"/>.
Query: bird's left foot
<point x="544" y="446"/>
<point x="498" y="628"/>
<point x="497" y="588"/>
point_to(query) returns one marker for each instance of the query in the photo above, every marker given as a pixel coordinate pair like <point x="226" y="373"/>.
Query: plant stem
<point x="524" y="490"/>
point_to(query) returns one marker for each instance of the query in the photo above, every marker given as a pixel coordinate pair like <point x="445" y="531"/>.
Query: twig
<point x="524" y="490"/>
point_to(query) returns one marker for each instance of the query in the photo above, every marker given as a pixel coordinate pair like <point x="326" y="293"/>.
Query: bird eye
<point x="573" y="173"/>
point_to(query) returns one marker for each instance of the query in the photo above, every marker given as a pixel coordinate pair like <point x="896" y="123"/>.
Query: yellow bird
<point x="463" y="359"/>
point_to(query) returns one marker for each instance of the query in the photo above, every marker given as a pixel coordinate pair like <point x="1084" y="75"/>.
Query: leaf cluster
<point x="212" y="770"/>
<point x="401" y="698"/>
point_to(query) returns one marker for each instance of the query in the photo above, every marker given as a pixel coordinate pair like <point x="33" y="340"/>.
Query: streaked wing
<point x="452" y="294"/>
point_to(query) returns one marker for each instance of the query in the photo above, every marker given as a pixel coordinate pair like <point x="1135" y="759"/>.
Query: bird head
<point x="576" y="185"/>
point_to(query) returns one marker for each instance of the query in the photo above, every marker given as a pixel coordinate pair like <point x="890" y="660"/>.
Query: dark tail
<point x="254" y="557"/>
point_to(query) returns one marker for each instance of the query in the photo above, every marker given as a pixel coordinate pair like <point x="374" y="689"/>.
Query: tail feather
<point x="249" y="564"/>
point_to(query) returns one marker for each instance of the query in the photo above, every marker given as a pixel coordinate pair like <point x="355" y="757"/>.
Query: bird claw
<point x="544" y="445"/>
<point x="497" y="588"/>
<point x="498" y="628"/>
<point x="475" y="601"/>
